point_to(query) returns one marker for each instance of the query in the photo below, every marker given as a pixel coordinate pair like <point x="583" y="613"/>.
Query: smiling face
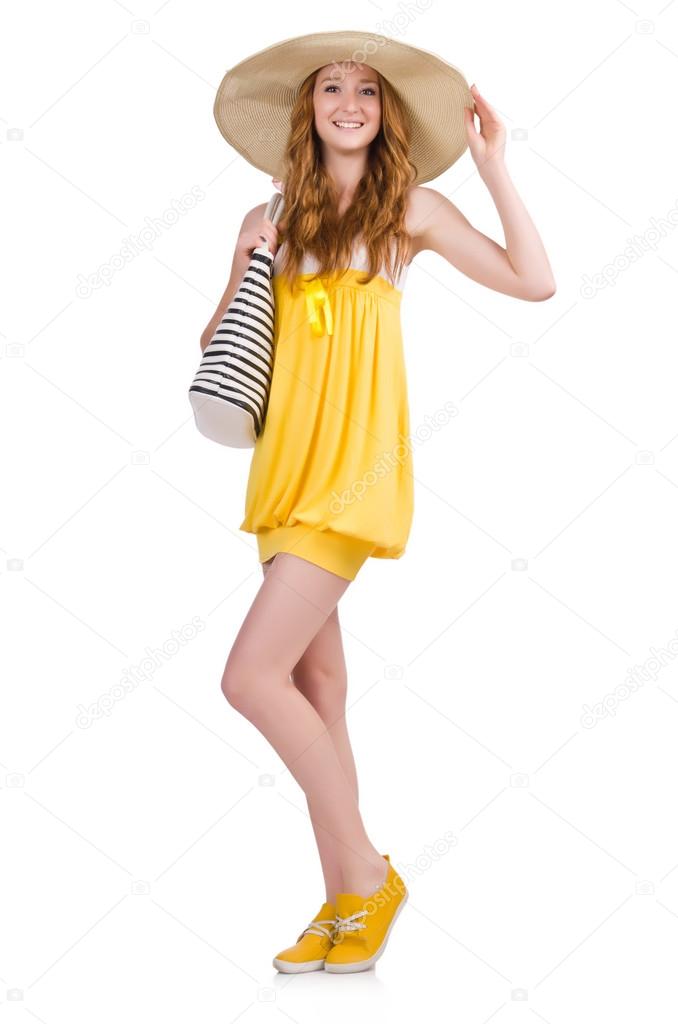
<point x="347" y="103"/>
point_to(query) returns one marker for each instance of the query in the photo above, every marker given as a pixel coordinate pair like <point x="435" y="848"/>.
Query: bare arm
<point x="253" y="226"/>
<point x="521" y="269"/>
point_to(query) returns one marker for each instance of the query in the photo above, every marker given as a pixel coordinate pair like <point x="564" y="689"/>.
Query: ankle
<point x="371" y="877"/>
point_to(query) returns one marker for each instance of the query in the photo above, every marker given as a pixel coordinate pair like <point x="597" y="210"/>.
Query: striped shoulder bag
<point x="230" y="391"/>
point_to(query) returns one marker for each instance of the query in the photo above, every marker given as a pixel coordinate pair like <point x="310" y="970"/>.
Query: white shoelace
<point x="316" y="928"/>
<point x="351" y="923"/>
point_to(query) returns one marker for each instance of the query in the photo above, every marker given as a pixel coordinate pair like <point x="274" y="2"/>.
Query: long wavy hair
<point x="309" y="220"/>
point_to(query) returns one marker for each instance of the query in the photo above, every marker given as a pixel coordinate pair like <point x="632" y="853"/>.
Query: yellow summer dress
<point x="331" y="472"/>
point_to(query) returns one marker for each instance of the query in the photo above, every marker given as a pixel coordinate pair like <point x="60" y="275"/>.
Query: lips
<point x="342" y="126"/>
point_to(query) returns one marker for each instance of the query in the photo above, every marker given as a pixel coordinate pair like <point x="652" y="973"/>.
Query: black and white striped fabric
<point x="230" y="391"/>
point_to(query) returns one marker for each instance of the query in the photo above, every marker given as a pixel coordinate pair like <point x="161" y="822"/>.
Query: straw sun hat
<point x="255" y="99"/>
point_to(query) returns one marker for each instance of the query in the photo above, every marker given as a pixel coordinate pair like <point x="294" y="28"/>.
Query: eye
<point x="367" y="88"/>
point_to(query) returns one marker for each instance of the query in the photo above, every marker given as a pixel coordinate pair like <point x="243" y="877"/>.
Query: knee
<point x="237" y="689"/>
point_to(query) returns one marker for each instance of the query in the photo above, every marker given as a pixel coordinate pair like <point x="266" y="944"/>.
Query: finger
<point x="489" y="112"/>
<point x="478" y="97"/>
<point x="472" y="136"/>
<point x="269" y="234"/>
<point x="469" y="120"/>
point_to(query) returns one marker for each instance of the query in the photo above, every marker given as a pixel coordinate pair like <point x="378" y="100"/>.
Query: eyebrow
<point x="362" y="81"/>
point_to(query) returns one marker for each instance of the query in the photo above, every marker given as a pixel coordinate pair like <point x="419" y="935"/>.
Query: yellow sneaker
<point x="312" y="946"/>
<point x="363" y="925"/>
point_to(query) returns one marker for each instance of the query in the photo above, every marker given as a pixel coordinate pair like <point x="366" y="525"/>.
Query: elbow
<point x="540" y="292"/>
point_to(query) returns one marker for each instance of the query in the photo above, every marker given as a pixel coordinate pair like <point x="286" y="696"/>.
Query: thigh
<point x="324" y="658"/>
<point x="294" y="601"/>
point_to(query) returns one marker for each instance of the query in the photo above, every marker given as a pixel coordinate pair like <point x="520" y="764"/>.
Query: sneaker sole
<point x="364" y="965"/>
<point x="289" y="967"/>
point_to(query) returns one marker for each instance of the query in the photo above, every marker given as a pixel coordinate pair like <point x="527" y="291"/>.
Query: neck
<point x="345" y="171"/>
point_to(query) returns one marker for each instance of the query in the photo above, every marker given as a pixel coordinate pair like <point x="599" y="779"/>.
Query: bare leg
<point x="292" y="604"/>
<point x="320" y="674"/>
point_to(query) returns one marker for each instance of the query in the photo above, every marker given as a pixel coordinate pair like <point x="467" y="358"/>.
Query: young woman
<point x="331" y="480"/>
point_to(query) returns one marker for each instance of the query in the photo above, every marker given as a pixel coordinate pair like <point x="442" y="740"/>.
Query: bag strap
<point x="275" y="206"/>
<point x="273" y="211"/>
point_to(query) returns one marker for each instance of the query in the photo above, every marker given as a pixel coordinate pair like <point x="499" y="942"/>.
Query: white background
<point x="157" y="857"/>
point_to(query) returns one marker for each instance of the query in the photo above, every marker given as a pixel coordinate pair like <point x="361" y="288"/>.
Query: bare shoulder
<point x="421" y="205"/>
<point x="426" y="207"/>
<point x="254" y="216"/>
<point x="419" y="202"/>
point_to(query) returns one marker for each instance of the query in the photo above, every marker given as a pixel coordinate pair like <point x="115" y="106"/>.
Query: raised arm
<point x="521" y="268"/>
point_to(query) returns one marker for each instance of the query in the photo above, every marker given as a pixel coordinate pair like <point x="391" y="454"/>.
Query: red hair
<point x="309" y="220"/>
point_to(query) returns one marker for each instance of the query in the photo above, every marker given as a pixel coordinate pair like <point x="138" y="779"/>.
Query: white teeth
<point x="348" y="124"/>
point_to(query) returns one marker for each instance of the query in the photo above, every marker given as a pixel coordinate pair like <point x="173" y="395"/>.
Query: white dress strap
<point x="358" y="262"/>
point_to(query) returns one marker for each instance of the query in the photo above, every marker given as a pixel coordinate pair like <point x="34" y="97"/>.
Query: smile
<point x="350" y="125"/>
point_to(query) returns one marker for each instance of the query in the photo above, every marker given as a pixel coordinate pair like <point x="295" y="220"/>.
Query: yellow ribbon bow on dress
<point x="317" y="299"/>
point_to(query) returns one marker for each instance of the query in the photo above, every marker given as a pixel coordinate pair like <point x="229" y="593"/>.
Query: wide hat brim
<point x="255" y="98"/>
